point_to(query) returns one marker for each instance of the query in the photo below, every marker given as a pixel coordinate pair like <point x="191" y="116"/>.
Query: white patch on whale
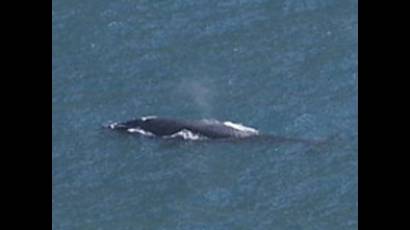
<point x="148" y="118"/>
<point x="211" y="121"/>
<point x="140" y="131"/>
<point x="241" y="127"/>
<point x="186" y="135"/>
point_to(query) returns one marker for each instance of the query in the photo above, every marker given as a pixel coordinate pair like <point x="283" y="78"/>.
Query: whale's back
<point x="166" y="127"/>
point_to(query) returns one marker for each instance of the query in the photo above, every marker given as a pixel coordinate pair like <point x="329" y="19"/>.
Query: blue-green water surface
<point x="286" y="67"/>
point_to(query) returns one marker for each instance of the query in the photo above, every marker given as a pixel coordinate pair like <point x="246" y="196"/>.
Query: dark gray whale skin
<point x="213" y="130"/>
<point x="166" y="127"/>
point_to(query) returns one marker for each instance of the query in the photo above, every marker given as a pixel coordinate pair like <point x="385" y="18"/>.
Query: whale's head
<point x="130" y="125"/>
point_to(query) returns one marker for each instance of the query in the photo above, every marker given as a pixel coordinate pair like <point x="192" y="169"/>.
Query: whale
<point x="205" y="129"/>
<point x="153" y="126"/>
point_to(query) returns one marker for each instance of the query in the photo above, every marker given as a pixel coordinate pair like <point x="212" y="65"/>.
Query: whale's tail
<point x="285" y="140"/>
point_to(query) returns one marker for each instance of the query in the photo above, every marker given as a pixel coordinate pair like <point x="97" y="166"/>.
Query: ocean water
<point x="285" y="67"/>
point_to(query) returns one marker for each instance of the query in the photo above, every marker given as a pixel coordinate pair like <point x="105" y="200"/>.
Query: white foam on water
<point x="112" y="125"/>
